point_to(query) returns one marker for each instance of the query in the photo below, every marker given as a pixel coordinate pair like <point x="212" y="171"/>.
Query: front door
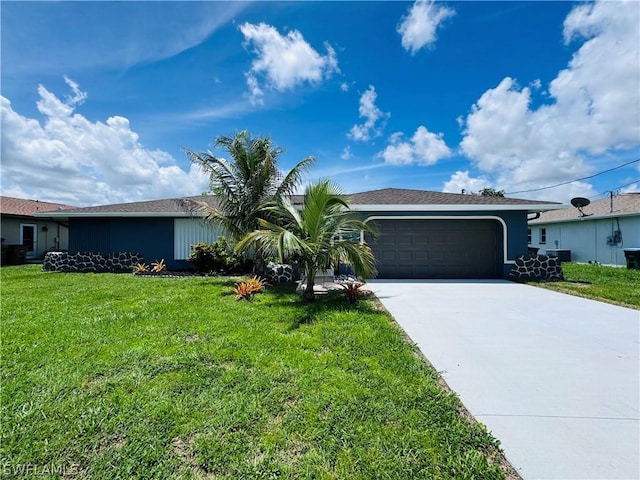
<point x="29" y="238"/>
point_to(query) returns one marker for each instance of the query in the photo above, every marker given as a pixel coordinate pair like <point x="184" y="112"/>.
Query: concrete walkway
<point x="555" y="378"/>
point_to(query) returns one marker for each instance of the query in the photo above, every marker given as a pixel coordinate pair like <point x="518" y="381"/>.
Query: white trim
<point x="588" y="218"/>
<point x="505" y="259"/>
<point x="455" y="208"/>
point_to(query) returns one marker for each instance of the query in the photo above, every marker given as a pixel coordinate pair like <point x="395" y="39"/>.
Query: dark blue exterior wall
<point x="151" y="237"/>
<point x="516" y="222"/>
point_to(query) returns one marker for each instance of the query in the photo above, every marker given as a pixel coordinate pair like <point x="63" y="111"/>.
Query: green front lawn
<point x="115" y="376"/>
<point x="598" y="282"/>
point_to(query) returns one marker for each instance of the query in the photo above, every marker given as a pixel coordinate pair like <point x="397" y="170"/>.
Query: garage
<point x="438" y="248"/>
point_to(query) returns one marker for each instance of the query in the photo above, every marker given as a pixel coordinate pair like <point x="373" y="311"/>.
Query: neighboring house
<point x="20" y="226"/>
<point x="422" y="234"/>
<point x="607" y="227"/>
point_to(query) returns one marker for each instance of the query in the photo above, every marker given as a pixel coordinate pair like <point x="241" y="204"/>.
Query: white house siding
<point x="587" y="238"/>
<point x="189" y="231"/>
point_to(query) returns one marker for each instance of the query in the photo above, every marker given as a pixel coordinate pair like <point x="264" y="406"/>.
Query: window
<point x="543" y="235"/>
<point x="529" y="236"/>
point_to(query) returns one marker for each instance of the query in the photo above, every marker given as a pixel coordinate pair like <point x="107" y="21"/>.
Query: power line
<point x="614" y="189"/>
<point x="576" y="180"/>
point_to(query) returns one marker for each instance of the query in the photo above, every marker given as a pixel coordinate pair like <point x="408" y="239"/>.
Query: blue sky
<point x="100" y="98"/>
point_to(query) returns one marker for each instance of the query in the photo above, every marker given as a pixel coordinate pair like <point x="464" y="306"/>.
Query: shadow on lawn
<point x="306" y="313"/>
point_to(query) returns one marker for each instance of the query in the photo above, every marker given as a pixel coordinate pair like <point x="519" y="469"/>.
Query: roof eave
<point x="539" y="221"/>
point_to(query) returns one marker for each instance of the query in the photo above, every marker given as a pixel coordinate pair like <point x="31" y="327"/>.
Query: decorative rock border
<point x="90" y="262"/>
<point x="537" y="267"/>
<point x="279" y="273"/>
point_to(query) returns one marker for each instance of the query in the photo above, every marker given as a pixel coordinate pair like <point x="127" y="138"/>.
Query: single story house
<point x="421" y="234"/>
<point x="20" y="226"/>
<point x="599" y="233"/>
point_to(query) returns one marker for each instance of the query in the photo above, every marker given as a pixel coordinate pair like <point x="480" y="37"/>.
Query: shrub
<point x="247" y="289"/>
<point x="207" y="257"/>
<point x="352" y="290"/>
<point x="158" y="266"/>
<point x="140" y="268"/>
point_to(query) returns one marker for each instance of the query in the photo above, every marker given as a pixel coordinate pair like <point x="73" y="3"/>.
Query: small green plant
<point x="140" y="268"/>
<point x="352" y="290"/>
<point x="158" y="266"/>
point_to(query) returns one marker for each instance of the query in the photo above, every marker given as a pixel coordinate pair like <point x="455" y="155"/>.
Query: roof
<point x="617" y="206"/>
<point x="401" y="196"/>
<point x="170" y="207"/>
<point x="387" y="199"/>
<point x="27" y="208"/>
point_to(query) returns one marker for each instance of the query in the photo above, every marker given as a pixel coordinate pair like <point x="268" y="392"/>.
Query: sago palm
<point x="245" y="183"/>
<point x="323" y="231"/>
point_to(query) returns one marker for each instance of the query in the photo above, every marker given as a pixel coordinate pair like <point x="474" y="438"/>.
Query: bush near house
<point x="217" y="257"/>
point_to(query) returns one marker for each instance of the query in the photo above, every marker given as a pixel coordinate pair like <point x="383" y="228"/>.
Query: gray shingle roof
<point x="179" y="206"/>
<point x="26" y="208"/>
<point x="388" y="197"/>
<point x="401" y="196"/>
<point x="624" y="204"/>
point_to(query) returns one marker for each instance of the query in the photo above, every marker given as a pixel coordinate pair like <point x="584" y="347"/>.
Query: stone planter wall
<point x="537" y="267"/>
<point x="90" y="262"/>
<point x="277" y="273"/>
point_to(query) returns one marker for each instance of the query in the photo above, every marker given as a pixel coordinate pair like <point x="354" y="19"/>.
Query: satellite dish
<point x="580" y="203"/>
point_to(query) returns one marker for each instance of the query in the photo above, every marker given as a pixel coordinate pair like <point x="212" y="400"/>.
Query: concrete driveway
<point x="555" y="378"/>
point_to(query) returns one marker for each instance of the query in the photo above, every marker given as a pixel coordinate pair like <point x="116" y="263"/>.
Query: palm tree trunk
<point x="308" y="294"/>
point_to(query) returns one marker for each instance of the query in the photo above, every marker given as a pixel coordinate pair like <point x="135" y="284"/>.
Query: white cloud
<point x="344" y="86"/>
<point x="371" y="113"/>
<point x="423" y="148"/>
<point x="134" y="35"/>
<point x="593" y="109"/>
<point x="418" y="27"/>
<point x="284" y="61"/>
<point x="461" y="182"/>
<point x="346" y="153"/>
<point x="73" y="160"/>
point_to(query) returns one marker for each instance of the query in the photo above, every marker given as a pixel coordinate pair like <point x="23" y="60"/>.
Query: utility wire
<point x="614" y="189"/>
<point x="576" y="180"/>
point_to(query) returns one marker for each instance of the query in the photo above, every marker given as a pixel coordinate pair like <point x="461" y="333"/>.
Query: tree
<point x="323" y="231"/>
<point x="247" y="182"/>
<point x="491" y="192"/>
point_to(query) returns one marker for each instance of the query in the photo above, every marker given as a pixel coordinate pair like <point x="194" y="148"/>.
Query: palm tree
<point x="247" y="182"/>
<point x="323" y="231"/>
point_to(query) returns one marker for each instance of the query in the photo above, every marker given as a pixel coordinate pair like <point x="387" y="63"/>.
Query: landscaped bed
<point x="118" y="376"/>
<point x="620" y="286"/>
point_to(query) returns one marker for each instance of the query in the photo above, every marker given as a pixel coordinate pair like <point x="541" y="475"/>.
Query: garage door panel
<point x="438" y="248"/>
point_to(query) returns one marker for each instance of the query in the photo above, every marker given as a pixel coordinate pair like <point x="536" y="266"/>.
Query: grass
<point x="620" y="286"/>
<point x="120" y="377"/>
